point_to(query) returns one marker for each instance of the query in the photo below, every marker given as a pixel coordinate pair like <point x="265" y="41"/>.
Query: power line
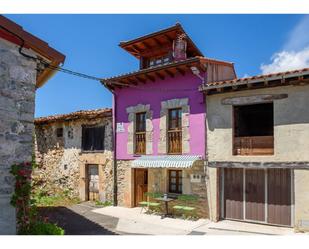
<point x="82" y="75"/>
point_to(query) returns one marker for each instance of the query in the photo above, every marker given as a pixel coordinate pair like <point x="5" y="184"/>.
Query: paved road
<point x="79" y="220"/>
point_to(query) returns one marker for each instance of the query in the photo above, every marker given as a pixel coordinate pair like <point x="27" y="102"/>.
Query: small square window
<point x="59" y="132"/>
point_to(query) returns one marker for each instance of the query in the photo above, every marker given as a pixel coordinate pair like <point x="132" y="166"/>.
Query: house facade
<point x="21" y="73"/>
<point x="160" y="118"/>
<point x="73" y="153"/>
<point x="257" y="148"/>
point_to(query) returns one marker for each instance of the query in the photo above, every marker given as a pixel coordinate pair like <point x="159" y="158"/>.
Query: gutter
<point x="114" y="114"/>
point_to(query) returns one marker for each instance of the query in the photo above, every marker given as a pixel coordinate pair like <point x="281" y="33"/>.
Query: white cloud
<point x="287" y="60"/>
<point x="295" y="52"/>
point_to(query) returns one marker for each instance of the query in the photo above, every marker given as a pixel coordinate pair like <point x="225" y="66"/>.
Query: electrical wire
<point x="86" y="76"/>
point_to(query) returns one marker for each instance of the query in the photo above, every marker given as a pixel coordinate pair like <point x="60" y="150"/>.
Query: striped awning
<point x="166" y="161"/>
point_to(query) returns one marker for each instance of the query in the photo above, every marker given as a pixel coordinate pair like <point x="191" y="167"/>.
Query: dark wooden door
<point x="141" y="185"/>
<point x="93" y="182"/>
<point x="233" y="194"/>
<point x="255" y="194"/>
<point x="279" y="196"/>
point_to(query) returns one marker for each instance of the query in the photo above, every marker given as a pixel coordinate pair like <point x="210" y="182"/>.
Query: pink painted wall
<point x="161" y="90"/>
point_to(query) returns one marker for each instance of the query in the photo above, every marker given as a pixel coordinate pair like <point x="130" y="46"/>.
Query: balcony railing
<point x="140" y="143"/>
<point x="259" y="145"/>
<point x="174" y="141"/>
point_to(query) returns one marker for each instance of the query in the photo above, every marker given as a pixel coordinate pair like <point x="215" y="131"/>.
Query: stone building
<point x="74" y="154"/>
<point x="258" y="143"/>
<point x="21" y="72"/>
<point x="160" y="114"/>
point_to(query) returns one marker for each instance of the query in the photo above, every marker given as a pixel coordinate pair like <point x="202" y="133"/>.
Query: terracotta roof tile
<point x="83" y="114"/>
<point x="252" y="78"/>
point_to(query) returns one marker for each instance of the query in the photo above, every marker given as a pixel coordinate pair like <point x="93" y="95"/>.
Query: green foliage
<point x="61" y="198"/>
<point x="42" y="228"/>
<point x="28" y="221"/>
<point x="104" y="204"/>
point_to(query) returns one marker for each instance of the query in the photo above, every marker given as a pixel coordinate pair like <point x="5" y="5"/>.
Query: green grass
<point x="58" y="199"/>
<point x="104" y="204"/>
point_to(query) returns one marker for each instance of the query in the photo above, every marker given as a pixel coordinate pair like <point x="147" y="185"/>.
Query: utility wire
<point x="82" y="75"/>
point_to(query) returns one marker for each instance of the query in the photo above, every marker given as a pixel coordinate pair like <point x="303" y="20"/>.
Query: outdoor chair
<point x="186" y="209"/>
<point x="149" y="204"/>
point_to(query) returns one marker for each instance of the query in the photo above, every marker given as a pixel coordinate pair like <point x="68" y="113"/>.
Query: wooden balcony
<point x="174" y="141"/>
<point x="253" y="146"/>
<point x="140" y="143"/>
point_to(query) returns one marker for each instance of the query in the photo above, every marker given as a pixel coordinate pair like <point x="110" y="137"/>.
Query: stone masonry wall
<point x="17" y="97"/>
<point x="62" y="163"/>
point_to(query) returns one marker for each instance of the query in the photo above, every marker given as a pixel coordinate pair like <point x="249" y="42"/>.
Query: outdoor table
<point x="166" y="200"/>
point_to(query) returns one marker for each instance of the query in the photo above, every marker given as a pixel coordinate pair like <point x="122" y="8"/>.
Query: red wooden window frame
<point x="177" y="175"/>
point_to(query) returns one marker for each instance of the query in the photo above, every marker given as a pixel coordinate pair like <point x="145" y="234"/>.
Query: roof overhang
<point x="166" y="161"/>
<point x="161" y="72"/>
<point x="32" y="42"/>
<point x="158" y="40"/>
<point x="296" y="77"/>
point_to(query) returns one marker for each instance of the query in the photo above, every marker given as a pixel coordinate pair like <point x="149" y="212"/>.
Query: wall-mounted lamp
<point x="197" y="72"/>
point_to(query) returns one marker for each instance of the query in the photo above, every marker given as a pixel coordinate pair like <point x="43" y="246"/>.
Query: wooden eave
<point x="34" y="43"/>
<point x="160" y="40"/>
<point x="153" y="74"/>
<point x="296" y="77"/>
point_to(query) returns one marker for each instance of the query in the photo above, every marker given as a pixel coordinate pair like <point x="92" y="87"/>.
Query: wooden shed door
<point x="255" y="194"/>
<point x="279" y="196"/>
<point x="141" y="185"/>
<point x="233" y="194"/>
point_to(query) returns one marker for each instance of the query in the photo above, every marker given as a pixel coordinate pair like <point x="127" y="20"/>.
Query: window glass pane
<point x="173" y="173"/>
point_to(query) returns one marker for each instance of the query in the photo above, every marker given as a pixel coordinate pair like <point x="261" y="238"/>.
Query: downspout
<point x="114" y="114"/>
<point x="203" y="78"/>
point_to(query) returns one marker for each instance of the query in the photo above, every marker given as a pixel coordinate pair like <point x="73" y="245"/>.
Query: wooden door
<point x="255" y="194"/>
<point x="141" y="185"/>
<point x="93" y="182"/>
<point x="233" y="194"/>
<point x="279" y="196"/>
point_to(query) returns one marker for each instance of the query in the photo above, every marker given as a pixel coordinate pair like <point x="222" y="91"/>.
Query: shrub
<point x="42" y="228"/>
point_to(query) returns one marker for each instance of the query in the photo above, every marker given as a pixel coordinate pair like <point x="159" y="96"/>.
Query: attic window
<point x="59" y="132"/>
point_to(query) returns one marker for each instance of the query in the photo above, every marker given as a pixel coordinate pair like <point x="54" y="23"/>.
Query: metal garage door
<point x="257" y="195"/>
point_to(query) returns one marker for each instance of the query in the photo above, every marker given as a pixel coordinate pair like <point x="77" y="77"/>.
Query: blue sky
<point x="255" y="43"/>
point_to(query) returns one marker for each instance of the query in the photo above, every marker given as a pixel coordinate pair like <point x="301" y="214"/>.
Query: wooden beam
<point x="136" y="48"/>
<point x="183" y="72"/>
<point x="157" y="41"/>
<point x="253" y="99"/>
<point x="169" y="73"/>
<point x="261" y="165"/>
<point x="140" y="79"/>
<point x="146" y="45"/>
<point x="160" y="75"/>
<point x="168" y="38"/>
<point x="150" y="77"/>
<point x="132" y="81"/>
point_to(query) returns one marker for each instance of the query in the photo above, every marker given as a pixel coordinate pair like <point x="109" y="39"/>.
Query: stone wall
<point x="125" y="183"/>
<point x="62" y="163"/>
<point x="17" y="97"/>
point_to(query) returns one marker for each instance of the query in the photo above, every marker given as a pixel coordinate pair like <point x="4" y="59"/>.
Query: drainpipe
<point x="114" y="111"/>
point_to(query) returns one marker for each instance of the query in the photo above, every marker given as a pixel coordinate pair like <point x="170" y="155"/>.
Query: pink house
<point x="159" y="115"/>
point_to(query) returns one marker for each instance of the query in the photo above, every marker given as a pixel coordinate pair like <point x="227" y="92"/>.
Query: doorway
<point x="92" y="186"/>
<point x="140" y="185"/>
